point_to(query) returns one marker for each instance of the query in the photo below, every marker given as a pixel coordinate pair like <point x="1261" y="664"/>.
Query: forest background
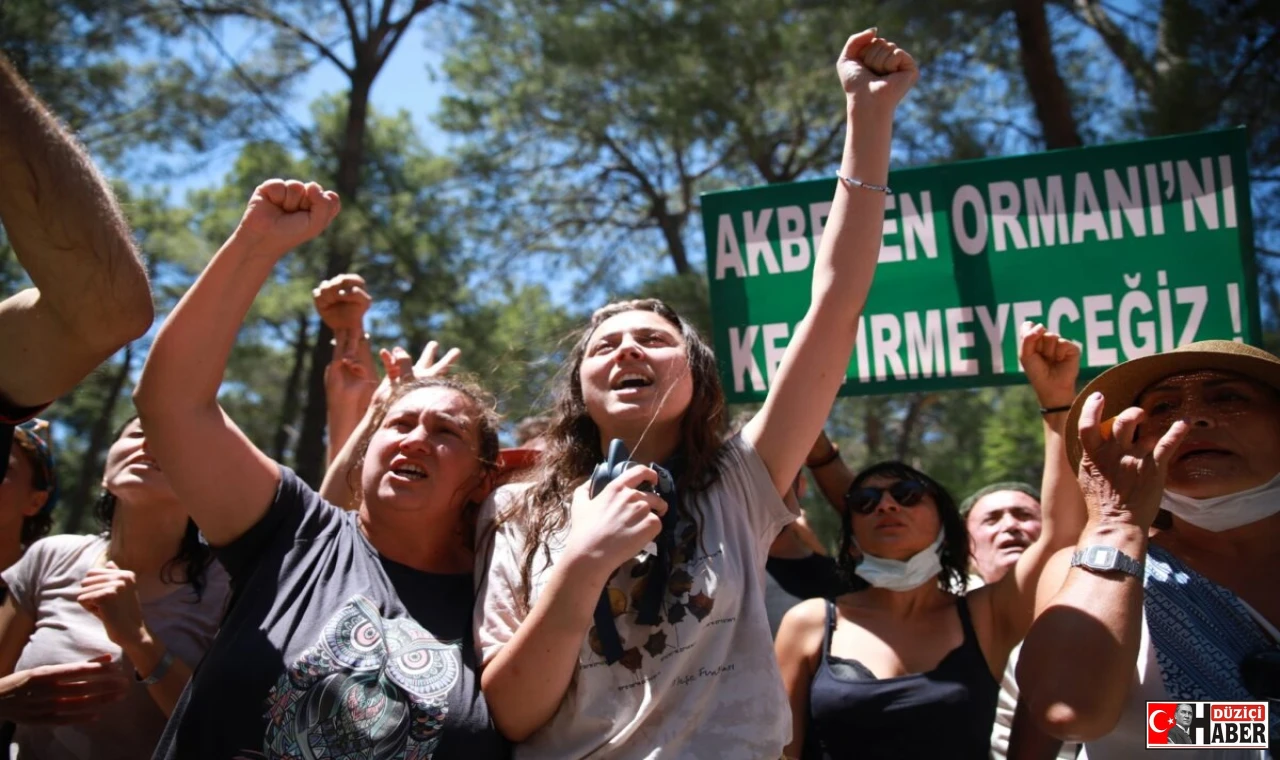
<point x="508" y="165"/>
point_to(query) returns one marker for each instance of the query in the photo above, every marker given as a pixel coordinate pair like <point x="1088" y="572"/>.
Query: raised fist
<point x="282" y="215"/>
<point x="342" y="302"/>
<point x="874" y="70"/>
<point x="1051" y="362"/>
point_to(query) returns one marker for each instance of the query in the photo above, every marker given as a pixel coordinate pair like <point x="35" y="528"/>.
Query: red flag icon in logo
<point x="1159" y="721"/>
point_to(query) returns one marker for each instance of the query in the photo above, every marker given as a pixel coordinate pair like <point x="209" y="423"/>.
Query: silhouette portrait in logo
<point x="1180" y="732"/>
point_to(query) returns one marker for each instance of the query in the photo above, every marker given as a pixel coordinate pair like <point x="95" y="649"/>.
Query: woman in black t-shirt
<point x="348" y="632"/>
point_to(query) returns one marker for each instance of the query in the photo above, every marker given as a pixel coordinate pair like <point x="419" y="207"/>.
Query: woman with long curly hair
<point x="593" y="644"/>
<point x="100" y="633"/>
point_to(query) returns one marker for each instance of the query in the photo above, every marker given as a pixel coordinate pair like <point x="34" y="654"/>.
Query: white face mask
<point x="897" y="575"/>
<point x="1226" y="512"/>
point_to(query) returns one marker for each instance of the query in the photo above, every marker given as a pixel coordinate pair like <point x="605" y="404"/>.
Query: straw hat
<point x="1122" y="384"/>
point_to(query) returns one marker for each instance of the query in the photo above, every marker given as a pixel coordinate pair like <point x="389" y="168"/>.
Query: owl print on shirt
<point x="371" y="689"/>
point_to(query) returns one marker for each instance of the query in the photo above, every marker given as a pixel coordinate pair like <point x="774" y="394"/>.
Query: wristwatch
<point x="1105" y="559"/>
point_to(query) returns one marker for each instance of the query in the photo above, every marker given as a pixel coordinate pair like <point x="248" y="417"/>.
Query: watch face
<point x="1101" y="557"/>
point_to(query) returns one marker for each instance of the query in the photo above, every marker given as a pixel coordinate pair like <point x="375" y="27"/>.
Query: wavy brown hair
<point x="573" y="439"/>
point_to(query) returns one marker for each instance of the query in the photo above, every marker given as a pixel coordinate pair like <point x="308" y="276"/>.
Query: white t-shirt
<point x="1006" y="704"/>
<point x="45" y="584"/>
<point x="702" y="684"/>
<point x="1129" y="738"/>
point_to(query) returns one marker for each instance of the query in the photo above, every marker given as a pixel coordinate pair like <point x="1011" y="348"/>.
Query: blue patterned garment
<point x="1200" y="632"/>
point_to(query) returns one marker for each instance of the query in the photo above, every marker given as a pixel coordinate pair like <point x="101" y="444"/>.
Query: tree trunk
<point x="874" y="429"/>
<point x="1178" y="102"/>
<point x="672" y="225"/>
<point x="99" y="441"/>
<point x="289" y="405"/>
<point x="915" y="409"/>
<point x="1048" y="91"/>
<point x="309" y="463"/>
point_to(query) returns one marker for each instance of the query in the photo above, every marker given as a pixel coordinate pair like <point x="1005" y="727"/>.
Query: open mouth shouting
<point x="406" y="470"/>
<point x="631" y="382"/>
<point x="1013" y="543"/>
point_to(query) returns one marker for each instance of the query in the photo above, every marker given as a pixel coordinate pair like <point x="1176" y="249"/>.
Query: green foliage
<point x="131" y="79"/>
<point x="514" y="343"/>
<point x="590" y="129"/>
<point x="585" y="133"/>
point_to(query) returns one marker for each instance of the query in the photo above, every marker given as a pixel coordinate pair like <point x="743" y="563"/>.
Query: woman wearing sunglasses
<point x="1189" y="613"/>
<point x="911" y="666"/>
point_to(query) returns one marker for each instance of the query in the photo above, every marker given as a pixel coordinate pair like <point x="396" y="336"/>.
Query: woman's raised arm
<point x="224" y="481"/>
<point x="1097" y="617"/>
<point x="876" y="74"/>
<point x="1052" y="364"/>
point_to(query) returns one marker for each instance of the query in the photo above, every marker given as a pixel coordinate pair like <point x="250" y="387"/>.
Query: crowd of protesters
<point x="441" y="597"/>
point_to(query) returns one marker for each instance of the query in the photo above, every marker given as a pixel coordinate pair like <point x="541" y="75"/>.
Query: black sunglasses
<point x="864" y="500"/>
<point x="1260" y="672"/>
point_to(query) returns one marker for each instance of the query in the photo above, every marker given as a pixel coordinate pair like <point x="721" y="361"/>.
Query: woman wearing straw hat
<point x="1195" y="432"/>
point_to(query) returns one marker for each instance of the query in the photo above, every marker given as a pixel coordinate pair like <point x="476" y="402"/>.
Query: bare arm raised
<point x="350" y="378"/>
<point x="91" y="294"/>
<point x="223" y="479"/>
<point x="1098" y="617"/>
<point x="876" y="74"/>
<point x="1052" y="364"/>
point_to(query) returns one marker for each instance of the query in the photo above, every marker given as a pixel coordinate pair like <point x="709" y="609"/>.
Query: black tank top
<point x="944" y="713"/>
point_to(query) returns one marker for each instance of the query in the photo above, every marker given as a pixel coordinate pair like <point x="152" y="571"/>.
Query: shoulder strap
<point x="962" y="607"/>
<point x="831" y="627"/>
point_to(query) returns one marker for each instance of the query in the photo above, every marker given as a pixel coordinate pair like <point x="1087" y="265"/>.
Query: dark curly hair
<point x="955" y="536"/>
<point x="189" y="565"/>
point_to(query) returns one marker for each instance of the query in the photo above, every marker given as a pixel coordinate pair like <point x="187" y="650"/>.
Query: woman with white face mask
<point x="1196" y="432"/>
<point x="911" y="666"/>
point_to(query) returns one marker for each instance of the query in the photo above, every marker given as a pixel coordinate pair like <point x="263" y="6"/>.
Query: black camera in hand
<point x="618" y="462"/>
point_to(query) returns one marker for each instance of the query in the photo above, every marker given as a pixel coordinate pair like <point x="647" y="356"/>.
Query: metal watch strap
<point x="1099" y="558"/>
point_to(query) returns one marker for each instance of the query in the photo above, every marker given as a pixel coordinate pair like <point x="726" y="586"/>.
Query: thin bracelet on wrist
<point x="850" y="182"/>
<point x="1054" y="409"/>
<point x="158" y="672"/>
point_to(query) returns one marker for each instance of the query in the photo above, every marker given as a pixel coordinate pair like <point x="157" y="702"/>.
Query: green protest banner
<point x="1128" y="249"/>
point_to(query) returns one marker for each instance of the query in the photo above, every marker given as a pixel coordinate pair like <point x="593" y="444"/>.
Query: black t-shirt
<point x="329" y="650"/>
